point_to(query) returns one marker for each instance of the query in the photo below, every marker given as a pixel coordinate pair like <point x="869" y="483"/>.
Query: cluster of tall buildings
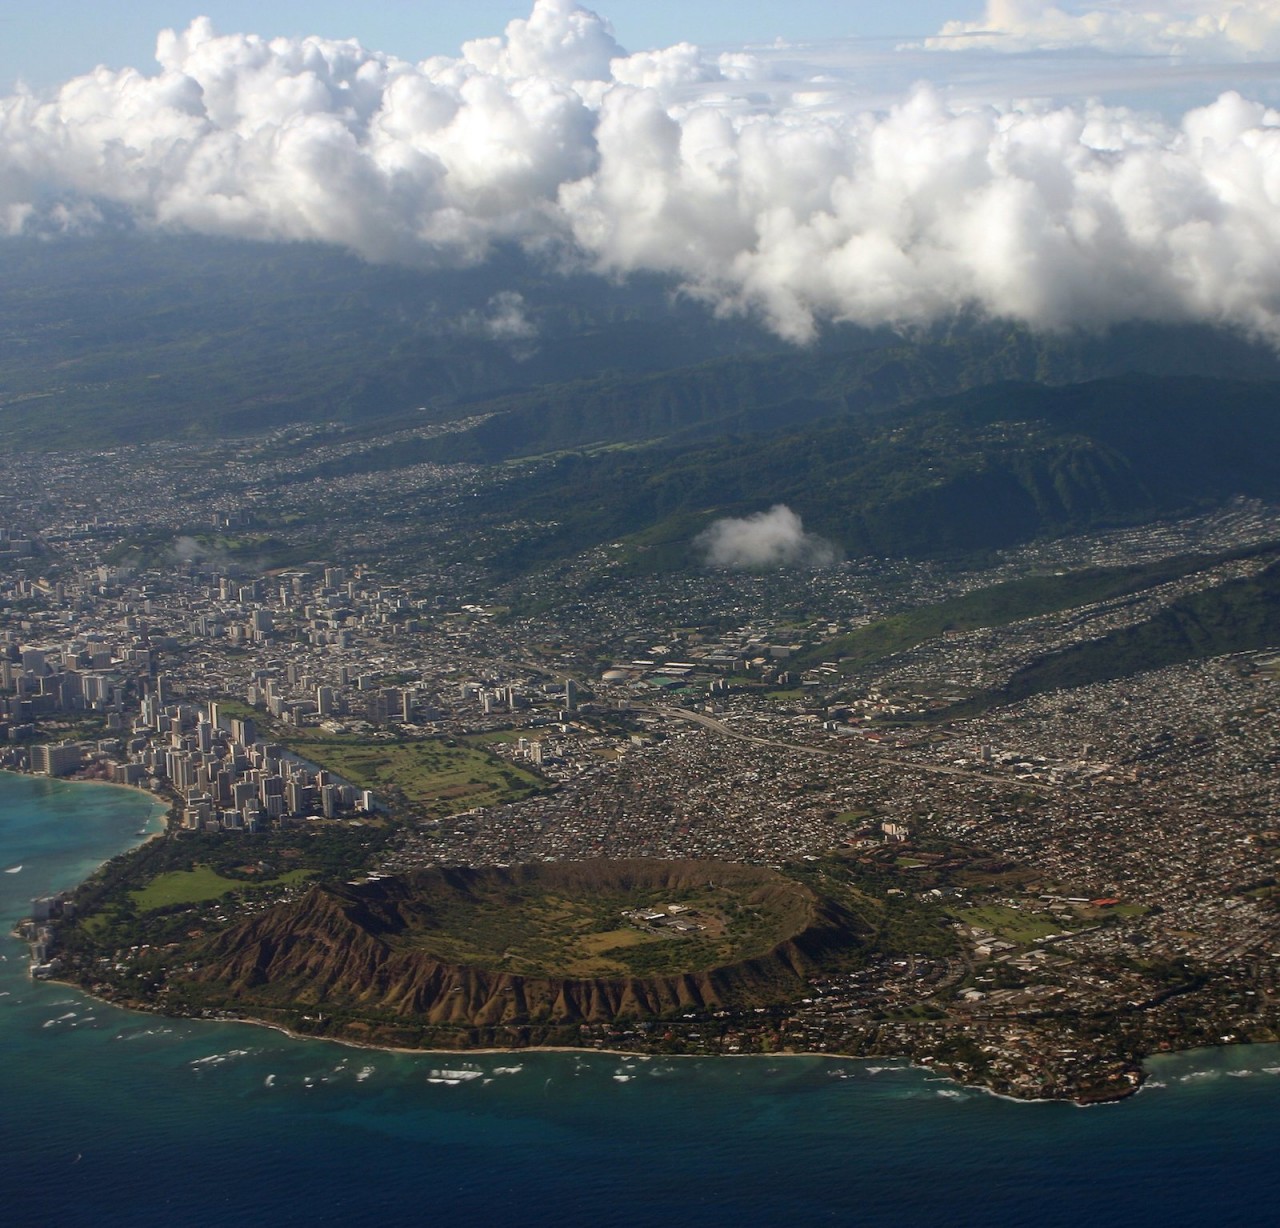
<point x="83" y="676"/>
<point x="228" y="778"/>
<point x="224" y="779"/>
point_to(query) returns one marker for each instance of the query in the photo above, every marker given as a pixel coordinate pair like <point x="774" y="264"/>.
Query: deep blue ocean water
<point x="113" y="1118"/>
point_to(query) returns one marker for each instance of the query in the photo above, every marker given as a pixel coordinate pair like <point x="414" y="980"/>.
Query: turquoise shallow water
<point x="111" y="1117"/>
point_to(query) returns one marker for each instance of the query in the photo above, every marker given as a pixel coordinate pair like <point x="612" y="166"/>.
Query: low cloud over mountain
<point x="775" y="538"/>
<point x="788" y="200"/>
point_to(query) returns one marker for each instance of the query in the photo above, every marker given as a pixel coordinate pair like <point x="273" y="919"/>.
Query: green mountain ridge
<point x="982" y="470"/>
<point x="165" y="338"/>
<point x="1002" y="604"/>
<point x="1237" y="616"/>
<point x="168" y="337"/>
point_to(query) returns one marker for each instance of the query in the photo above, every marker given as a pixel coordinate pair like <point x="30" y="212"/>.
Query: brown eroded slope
<point x="373" y="950"/>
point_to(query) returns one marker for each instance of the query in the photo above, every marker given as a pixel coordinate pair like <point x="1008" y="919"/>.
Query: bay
<point x="113" y="1117"/>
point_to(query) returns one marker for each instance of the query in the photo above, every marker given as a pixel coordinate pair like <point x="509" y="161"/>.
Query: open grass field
<point x="237" y="708"/>
<point x="199" y="884"/>
<point x="498" y="735"/>
<point x="431" y="776"/>
<point x="1010" y="924"/>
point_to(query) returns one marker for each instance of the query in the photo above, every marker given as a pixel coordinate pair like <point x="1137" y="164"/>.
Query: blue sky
<point x="46" y="43"/>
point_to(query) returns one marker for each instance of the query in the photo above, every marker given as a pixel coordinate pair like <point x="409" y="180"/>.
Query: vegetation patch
<point x="199" y="884"/>
<point x="1237" y="616"/>
<point x="165" y="890"/>
<point x="532" y="925"/>
<point x="1000" y="605"/>
<point x="433" y="776"/>
<point x="1011" y="924"/>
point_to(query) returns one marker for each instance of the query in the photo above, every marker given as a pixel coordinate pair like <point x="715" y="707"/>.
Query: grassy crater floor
<point x="543" y="923"/>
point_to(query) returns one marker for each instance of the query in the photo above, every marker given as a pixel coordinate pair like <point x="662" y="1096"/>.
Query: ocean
<point x="115" y="1118"/>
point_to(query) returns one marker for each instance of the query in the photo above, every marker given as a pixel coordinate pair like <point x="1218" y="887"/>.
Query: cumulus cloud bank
<point x="775" y="538"/>
<point x="792" y="203"/>
<point x="1243" y="30"/>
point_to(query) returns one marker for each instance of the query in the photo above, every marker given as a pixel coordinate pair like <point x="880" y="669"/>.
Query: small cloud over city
<point x="775" y="538"/>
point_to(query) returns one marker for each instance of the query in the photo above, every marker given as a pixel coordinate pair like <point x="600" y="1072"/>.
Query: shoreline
<point x="155" y="798"/>
<point x="1125" y="1093"/>
<point x="160" y="813"/>
<point x="1090" y="1096"/>
<point x="161" y="809"/>
<point x="635" y="1055"/>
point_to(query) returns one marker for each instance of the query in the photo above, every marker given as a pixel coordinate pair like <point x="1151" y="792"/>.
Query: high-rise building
<point x="59" y="760"/>
<point x="271" y="786"/>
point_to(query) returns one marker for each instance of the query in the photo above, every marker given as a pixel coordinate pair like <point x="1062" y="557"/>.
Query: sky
<point x="46" y="43"/>
<point x="1054" y="163"/>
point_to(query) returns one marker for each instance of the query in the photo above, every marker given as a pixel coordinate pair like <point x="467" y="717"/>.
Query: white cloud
<point x="559" y="39"/>
<point x="775" y="538"/>
<point x="1239" y="30"/>
<point x="505" y="318"/>
<point x="794" y="200"/>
